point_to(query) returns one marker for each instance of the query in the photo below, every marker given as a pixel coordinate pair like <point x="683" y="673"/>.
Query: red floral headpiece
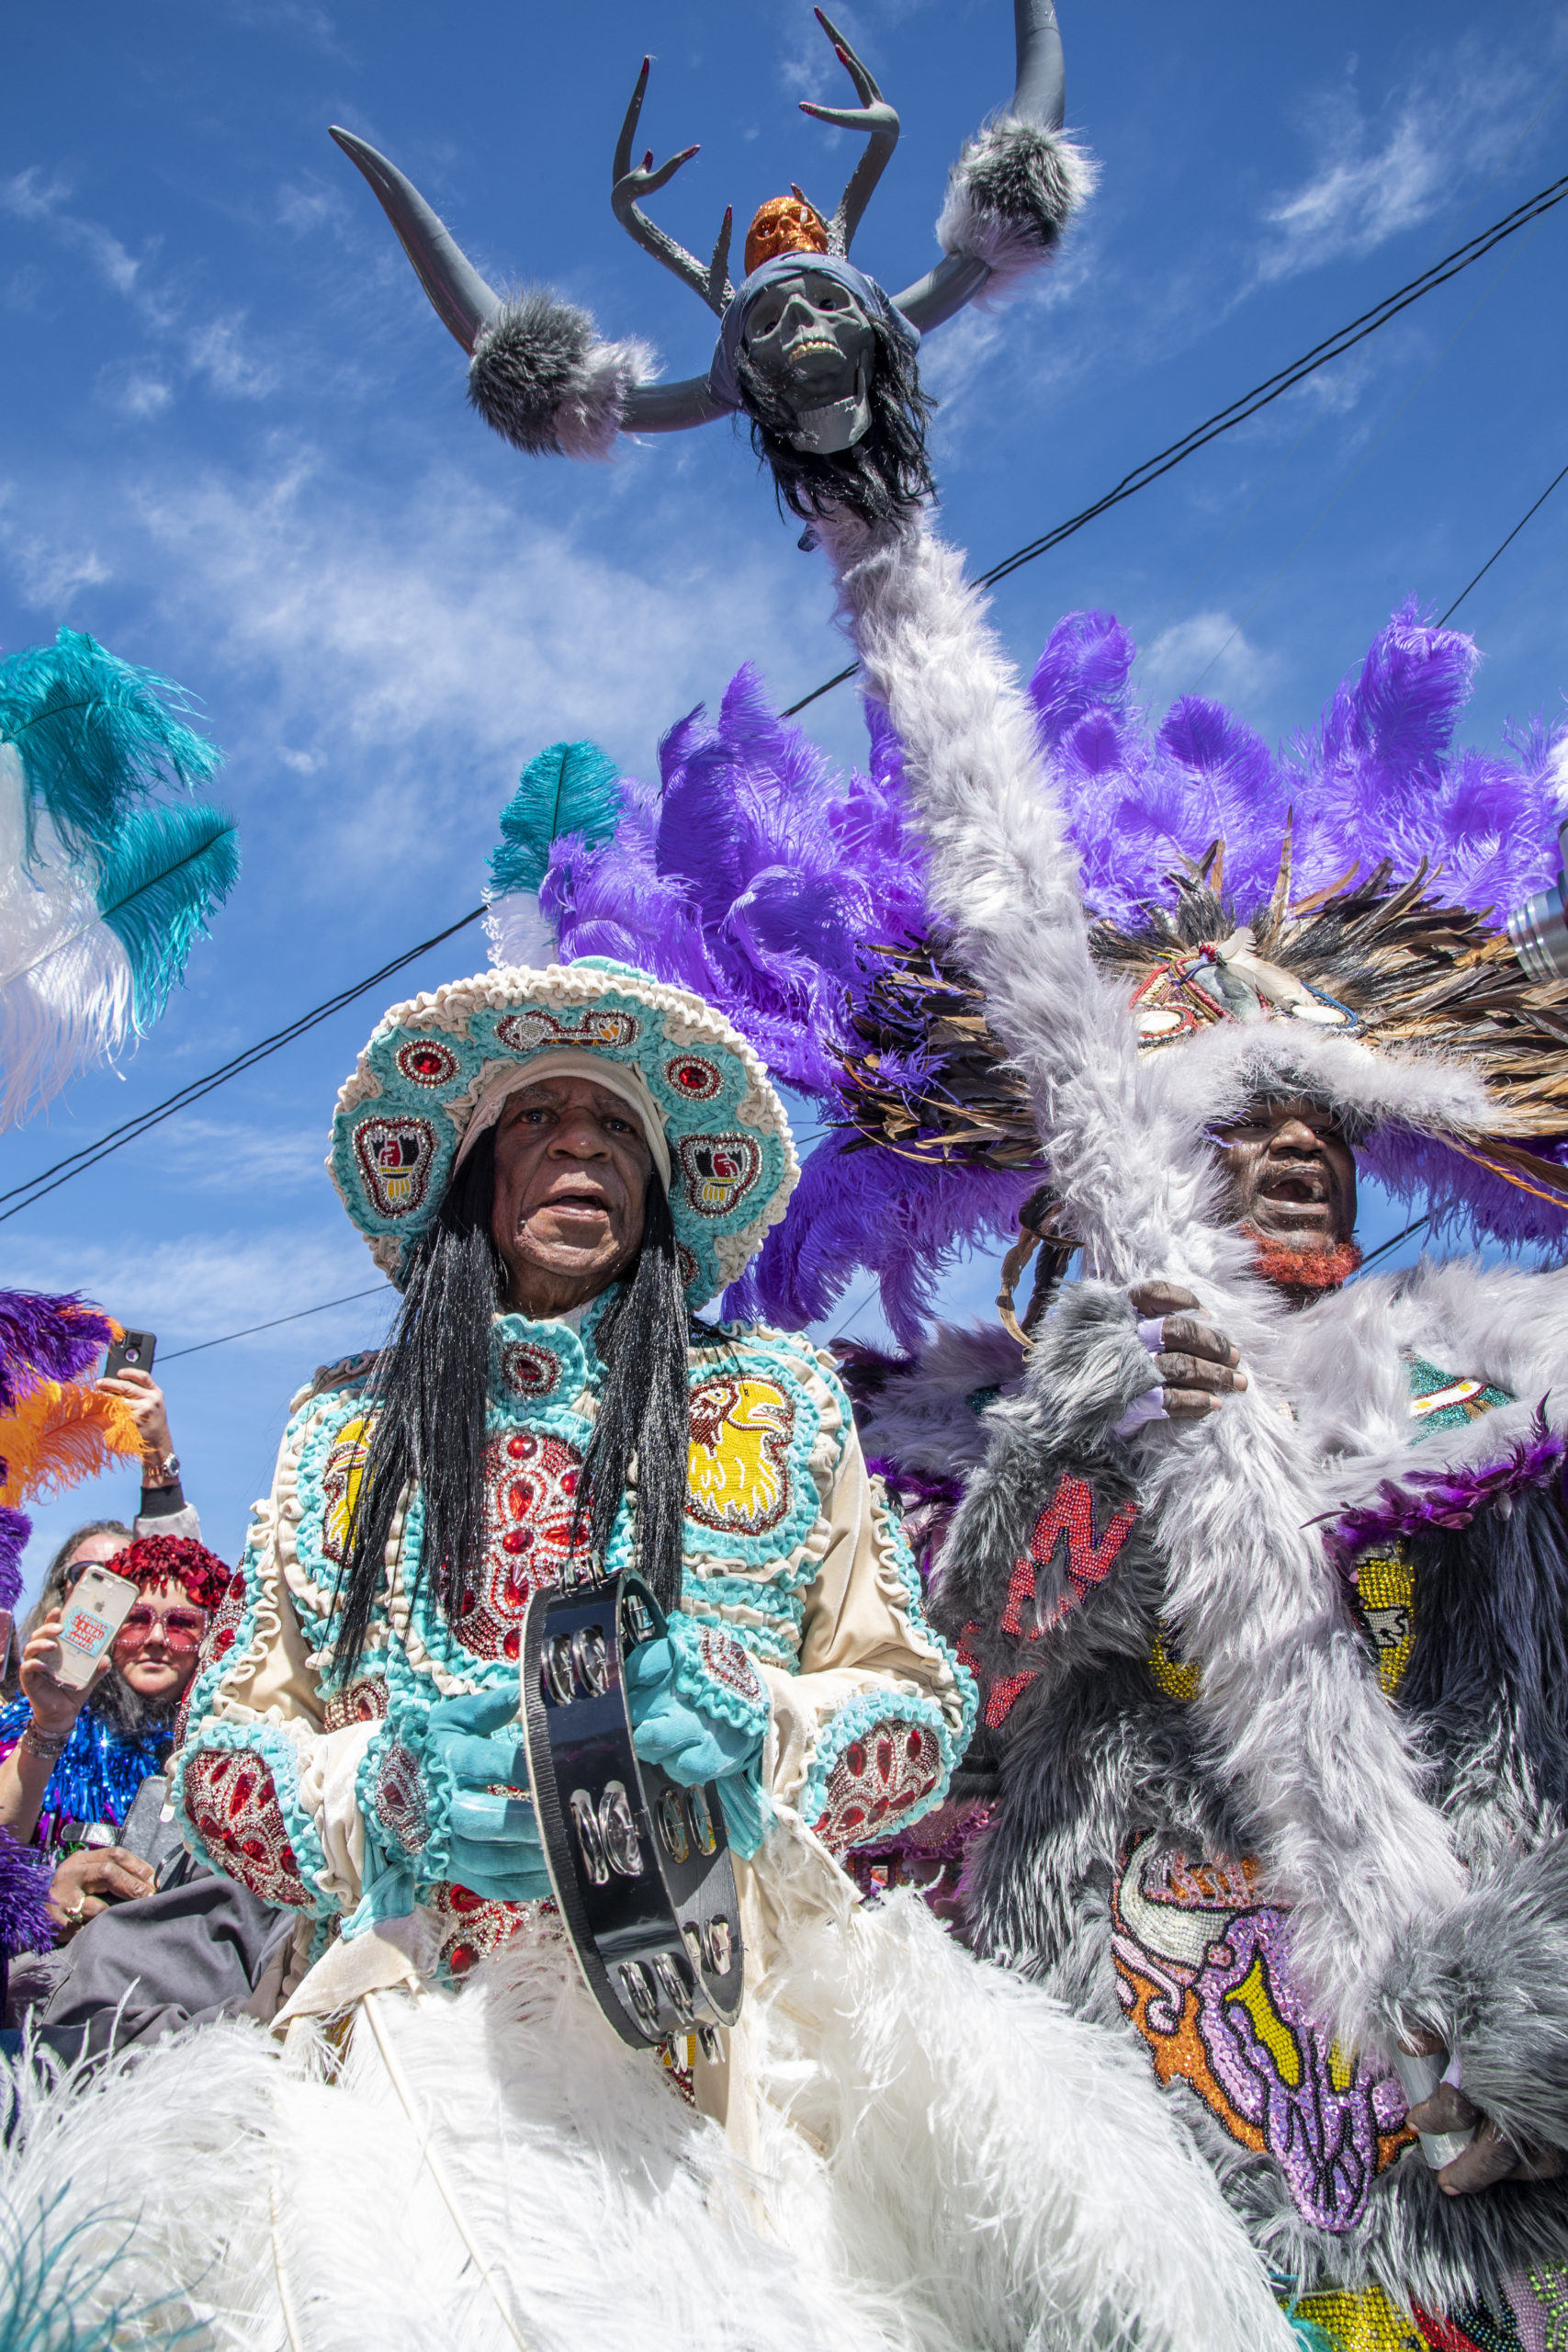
<point x="167" y="1559"/>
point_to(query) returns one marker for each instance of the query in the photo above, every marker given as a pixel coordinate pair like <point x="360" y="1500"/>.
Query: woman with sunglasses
<point x="70" y="1759"/>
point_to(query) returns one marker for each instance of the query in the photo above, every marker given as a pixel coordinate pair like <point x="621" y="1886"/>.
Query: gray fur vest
<point x="1121" y="1866"/>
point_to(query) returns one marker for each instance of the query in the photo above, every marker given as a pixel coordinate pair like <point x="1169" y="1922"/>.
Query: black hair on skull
<point x="885" y="475"/>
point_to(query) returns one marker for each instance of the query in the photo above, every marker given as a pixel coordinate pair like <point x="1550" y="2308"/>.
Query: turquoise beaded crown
<point x="403" y="1115"/>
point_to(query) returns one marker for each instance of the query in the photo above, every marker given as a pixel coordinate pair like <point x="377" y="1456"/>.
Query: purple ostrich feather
<point x="758" y="875"/>
<point x="14" y="1528"/>
<point x="1378" y="777"/>
<point x="45" y="1338"/>
<point x="859" y="1207"/>
<point x="1448" y="1497"/>
<point x="24" y="1923"/>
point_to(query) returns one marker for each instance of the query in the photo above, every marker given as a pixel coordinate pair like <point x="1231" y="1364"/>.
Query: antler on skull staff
<point x="627" y="185"/>
<point x="542" y="376"/>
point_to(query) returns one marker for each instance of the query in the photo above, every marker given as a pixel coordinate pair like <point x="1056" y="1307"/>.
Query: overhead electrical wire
<point x="376" y="1290"/>
<point x="76" y="1163"/>
<point x="1223" y="420"/>
<point x="1272" y="388"/>
<point x="1502" y="545"/>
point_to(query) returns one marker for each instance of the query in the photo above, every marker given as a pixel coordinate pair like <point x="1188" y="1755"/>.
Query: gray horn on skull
<point x="811" y="350"/>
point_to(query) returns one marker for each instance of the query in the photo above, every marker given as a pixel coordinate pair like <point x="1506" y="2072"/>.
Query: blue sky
<point x="234" y="445"/>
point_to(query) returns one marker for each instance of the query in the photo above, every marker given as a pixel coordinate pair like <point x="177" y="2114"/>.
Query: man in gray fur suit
<point x="1265" y="1575"/>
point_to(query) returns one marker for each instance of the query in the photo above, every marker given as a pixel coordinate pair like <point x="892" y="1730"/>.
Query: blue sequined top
<point x="100" y="1770"/>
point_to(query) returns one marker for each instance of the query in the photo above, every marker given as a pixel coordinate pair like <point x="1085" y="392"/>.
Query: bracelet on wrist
<point x="47" y="1746"/>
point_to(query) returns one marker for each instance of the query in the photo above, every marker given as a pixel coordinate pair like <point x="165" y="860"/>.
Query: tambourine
<point x="638" y="1865"/>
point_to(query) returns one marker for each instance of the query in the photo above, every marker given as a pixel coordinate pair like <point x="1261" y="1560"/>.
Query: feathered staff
<point x="103" y="887"/>
<point x="794" y="899"/>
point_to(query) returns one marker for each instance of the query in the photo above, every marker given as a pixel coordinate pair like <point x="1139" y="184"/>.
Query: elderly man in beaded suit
<point x="895" y="2147"/>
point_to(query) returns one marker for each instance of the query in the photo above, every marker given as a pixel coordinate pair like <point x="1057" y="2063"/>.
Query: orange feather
<point x="57" y="1436"/>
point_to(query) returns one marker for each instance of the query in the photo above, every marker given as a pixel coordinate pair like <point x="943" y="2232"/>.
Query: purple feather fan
<point x="1378" y="777"/>
<point x="45" y="1338"/>
<point x="24" y="1923"/>
<point x="757" y="874"/>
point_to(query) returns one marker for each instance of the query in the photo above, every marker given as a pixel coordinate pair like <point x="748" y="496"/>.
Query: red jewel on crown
<point x="699" y="1080"/>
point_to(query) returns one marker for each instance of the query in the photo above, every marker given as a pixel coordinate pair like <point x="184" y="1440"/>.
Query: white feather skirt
<point x="941" y="2159"/>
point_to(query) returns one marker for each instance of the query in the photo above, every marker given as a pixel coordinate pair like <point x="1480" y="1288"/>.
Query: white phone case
<point x="96" y="1609"/>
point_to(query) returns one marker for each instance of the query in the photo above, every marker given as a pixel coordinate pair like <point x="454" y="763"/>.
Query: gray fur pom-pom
<point x="544" y="381"/>
<point x="1010" y="195"/>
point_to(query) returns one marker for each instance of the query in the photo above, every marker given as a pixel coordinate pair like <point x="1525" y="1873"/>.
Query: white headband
<point x="622" y="1079"/>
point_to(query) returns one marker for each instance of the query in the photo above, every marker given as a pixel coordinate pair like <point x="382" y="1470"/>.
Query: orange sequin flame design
<point x="786" y="224"/>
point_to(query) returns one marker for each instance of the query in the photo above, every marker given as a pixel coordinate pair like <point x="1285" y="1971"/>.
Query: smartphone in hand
<point x="95" y="1608"/>
<point x="133" y="1353"/>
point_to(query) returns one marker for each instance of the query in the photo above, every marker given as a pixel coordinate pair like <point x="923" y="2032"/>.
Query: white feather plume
<point x="65" y="979"/>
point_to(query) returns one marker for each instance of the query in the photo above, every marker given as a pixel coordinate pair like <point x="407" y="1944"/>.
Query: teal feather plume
<point x="165" y="872"/>
<point x="96" y="736"/>
<point x="570" y="788"/>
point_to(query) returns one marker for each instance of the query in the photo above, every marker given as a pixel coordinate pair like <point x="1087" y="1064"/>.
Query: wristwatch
<point x="160" y="1469"/>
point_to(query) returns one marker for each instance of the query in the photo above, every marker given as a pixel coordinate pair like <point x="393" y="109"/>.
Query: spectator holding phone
<point x="80" y="1755"/>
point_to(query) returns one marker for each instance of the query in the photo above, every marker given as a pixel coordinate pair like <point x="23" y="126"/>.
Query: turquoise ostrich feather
<point x="162" y="877"/>
<point x="96" y="738"/>
<point x="570" y="790"/>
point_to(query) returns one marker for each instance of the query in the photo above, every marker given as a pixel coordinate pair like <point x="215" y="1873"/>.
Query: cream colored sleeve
<point x="866" y="1737"/>
<point x="266" y="1792"/>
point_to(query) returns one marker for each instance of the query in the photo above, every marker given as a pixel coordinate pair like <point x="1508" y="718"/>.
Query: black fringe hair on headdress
<point x="885" y="476"/>
<point x="428" y="1394"/>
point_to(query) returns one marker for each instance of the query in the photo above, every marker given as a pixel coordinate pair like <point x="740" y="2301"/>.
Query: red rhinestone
<point x="460" y="1958"/>
<point x="517" y="1539"/>
<point x="519" y="1448"/>
<point x="512" y="1642"/>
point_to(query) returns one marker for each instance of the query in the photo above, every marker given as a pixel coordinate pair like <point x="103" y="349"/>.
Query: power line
<point x="1248" y="404"/>
<point x="1385" y="1247"/>
<point x="376" y="1290"/>
<point x="1492" y="559"/>
<point x="76" y="1163"/>
<point x="1223" y="420"/>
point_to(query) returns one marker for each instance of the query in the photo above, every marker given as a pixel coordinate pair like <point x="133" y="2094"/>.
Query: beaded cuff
<point x="237" y="1786"/>
<point x="883" y="1759"/>
<point x="714" y="1674"/>
<point x="405" y="1792"/>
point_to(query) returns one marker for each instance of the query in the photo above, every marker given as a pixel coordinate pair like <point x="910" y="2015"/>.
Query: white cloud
<point x="200" y="1286"/>
<point x="1373" y="178"/>
<point x="217" y="352"/>
<point x="29" y="197"/>
<point x="142" y="395"/>
<point x="48" y="570"/>
<point x="1209" y="654"/>
<point x="234" y="1156"/>
<point x="214" y="348"/>
<point x="422" y="645"/>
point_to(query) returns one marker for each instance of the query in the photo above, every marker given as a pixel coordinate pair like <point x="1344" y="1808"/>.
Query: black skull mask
<point x="811" y="343"/>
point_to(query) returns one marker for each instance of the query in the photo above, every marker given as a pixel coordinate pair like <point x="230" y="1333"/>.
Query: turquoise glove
<point x="387" y="1890"/>
<point x="493" y="1841"/>
<point x="693" y="1746"/>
